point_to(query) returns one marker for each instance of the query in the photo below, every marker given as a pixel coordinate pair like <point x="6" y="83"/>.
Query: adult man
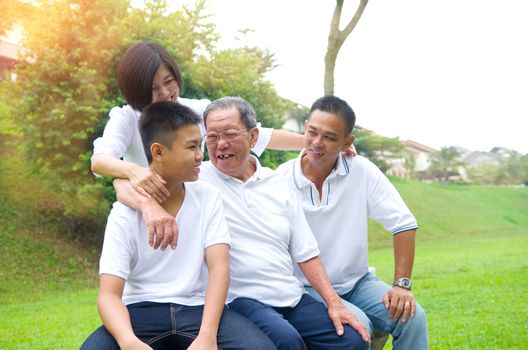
<point x="338" y="194"/>
<point x="268" y="231"/>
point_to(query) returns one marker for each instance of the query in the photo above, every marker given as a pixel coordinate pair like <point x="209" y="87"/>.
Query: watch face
<point x="406" y="283"/>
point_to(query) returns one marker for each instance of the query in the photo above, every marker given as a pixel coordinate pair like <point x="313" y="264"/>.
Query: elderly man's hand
<point x="340" y="315"/>
<point x="400" y="302"/>
<point x="162" y="228"/>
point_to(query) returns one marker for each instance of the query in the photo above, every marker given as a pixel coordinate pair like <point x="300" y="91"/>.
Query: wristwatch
<point x="403" y="282"/>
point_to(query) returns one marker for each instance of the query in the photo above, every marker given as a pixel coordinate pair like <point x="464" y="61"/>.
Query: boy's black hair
<point x="159" y="122"/>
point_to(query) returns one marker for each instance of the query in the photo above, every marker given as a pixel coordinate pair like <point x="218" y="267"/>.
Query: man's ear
<point x="156" y="150"/>
<point x="253" y="133"/>
<point x="305" y="124"/>
<point x="348" y="141"/>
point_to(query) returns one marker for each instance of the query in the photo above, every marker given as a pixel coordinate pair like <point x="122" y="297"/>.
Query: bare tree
<point x="336" y="38"/>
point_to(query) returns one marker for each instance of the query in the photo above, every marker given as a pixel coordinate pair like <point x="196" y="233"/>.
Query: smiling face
<point x="324" y="139"/>
<point x="182" y="160"/>
<point x="230" y="156"/>
<point x="164" y="85"/>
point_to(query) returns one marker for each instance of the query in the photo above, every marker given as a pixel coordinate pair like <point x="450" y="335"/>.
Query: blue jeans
<point x="173" y="326"/>
<point x="293" y="327"/>
<point x="365" y="300"/>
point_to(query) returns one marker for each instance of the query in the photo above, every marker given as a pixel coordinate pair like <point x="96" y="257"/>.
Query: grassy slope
<point x="470" y="266"/>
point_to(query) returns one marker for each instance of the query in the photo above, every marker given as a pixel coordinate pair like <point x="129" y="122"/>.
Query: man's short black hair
<point x="159" y="122"/>
<point x="335" y="105"/>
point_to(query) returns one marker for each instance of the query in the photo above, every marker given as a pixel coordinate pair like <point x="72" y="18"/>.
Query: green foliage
<point x="66" y="84"/>
<point x="444" y="163"/>
<point x="378" y="149"/>
<point x="512" y="171"/>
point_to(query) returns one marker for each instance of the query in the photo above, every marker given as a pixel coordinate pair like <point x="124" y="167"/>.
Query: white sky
<point x="439" y="72"/>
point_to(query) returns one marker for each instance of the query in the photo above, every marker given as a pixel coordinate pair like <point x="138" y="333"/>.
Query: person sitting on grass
<point x="154" y="299"/>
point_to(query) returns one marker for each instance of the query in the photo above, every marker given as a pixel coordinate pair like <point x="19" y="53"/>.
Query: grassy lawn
<point x="470" y="275"/>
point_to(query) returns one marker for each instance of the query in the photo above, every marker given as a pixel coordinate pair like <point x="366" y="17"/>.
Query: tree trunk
<point x="336" y="38"/>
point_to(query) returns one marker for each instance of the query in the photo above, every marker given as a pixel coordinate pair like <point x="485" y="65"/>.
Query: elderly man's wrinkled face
<point x="229" y="142"/>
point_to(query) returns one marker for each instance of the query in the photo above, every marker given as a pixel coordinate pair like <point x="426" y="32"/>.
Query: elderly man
<point x="338" y="194"/>
<point x="269" y="235"/>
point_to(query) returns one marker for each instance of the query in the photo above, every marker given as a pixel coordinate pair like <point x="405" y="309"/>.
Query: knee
<point x="287" y="338"/>
<point x="354" y="339"/>
<point x="419" y="321"/>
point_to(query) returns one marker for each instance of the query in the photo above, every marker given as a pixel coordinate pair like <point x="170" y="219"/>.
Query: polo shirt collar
<point x="258" y="175"/>
<point x="342" y="168"/>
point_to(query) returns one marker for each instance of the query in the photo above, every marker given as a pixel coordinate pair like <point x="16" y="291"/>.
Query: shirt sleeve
<point x="217" y="229"/>
<point x="117" y="255"/>
<point x="263" y="139"/>
<point x="303" y="245"/>
<point x="385" y="205"/>
<point x="117" y="133"/>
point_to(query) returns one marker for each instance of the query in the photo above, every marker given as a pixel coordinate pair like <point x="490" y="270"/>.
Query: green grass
<point x="470" y="274"/>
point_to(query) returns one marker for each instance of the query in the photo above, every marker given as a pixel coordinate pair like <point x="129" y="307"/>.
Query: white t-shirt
<point x="121" y="138"/>
<point x="172" y="276"/>
<point x="269" y="235"/>
<point x="354" y="191"/>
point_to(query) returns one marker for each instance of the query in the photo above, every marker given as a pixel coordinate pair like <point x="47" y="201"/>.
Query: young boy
<point x="174" y="298"/>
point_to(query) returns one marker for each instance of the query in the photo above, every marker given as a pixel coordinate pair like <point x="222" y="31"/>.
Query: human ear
<point x="253" y="133"/>
<point x="156" y="150"/>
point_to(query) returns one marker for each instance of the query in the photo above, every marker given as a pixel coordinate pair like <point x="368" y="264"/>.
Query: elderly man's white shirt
<point x="269" y="235"/>
<point x="172" y="276"/>
<point x="353" y="192"/>
<point x="121" y="138"/>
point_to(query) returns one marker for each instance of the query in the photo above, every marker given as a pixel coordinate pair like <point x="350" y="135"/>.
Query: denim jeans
<point x="293" y="327"/>
<point x="172" y="326"/>
<point x="365" y="300"/>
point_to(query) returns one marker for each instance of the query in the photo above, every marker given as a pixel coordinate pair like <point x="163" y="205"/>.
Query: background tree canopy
<point x="66" y="82"/>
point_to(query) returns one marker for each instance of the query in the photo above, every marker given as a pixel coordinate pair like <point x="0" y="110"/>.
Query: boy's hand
<point x="203" y="343"/>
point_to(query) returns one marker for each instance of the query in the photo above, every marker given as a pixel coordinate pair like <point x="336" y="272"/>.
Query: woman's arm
<point x="144" y="180"/>
<point x="283" y="140"/>
<point x="114" y="313"/>
<point x="217" y="257"/>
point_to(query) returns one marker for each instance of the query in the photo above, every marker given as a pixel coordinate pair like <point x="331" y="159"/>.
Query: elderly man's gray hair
<point x="245" y="109"/>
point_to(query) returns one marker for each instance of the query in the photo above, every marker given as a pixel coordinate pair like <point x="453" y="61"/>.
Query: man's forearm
<point x="315" y="273"/>
<point x="127" y="195"/>
<point x="404" y="244"/>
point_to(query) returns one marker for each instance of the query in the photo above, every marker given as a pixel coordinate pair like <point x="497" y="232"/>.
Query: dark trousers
<point x="172" y="326"/>
<point x="293" y="327"/>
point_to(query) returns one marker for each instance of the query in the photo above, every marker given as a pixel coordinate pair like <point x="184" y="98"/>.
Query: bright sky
<point x="442" y="73"/>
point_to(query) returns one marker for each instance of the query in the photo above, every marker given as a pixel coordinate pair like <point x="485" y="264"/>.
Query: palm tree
<point x="445" y="161"/>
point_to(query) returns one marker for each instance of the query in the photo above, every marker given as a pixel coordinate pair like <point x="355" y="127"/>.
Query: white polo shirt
<point x="269" y="235"/>
<point x="172" y="276"/>
<point x="354" y="191"/>
<point x="121" y="138"/>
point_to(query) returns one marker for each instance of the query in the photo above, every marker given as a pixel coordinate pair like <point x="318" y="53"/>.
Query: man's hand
<point x="340" y="315"/>
<point x="162" y="228"/>
<point x="350" y="151"/>
<point x="149" y="183"/>
<point x="400" y="302"/>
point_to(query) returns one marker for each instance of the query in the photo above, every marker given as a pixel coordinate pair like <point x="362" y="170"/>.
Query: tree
<point x="336" y="38"/>
<point x="378" y="149"/>
<point x="445" y="162"/>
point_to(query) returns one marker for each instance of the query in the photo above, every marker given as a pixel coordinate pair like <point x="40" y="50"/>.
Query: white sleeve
<point x="217" y="229"/>
<point x="117" y="255"/>
<point x="385" y="205"/>
<point x="303" y="245"/>
<point x="263" y="139"/>
<point x="117" y="134"/>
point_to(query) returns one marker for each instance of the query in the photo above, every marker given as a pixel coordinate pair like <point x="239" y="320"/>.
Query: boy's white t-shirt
<point x="121" y="137"/>
<point x="171" y="276"/>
